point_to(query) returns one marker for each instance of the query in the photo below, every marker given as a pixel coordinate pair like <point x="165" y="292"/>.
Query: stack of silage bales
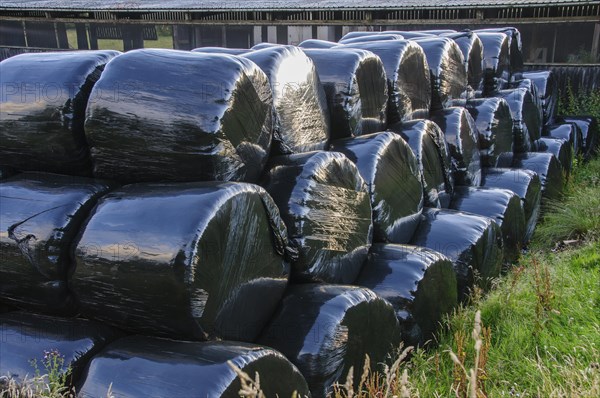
<point x="287" y="222"/>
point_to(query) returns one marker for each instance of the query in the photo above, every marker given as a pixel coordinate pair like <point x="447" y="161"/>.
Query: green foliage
<point x="582" y="103"/>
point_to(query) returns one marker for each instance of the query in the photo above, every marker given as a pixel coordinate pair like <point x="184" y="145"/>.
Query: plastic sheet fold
<point x="380" y="37"/>
<point x="526" y="184"/>
<point x="462" y="138"/>
<point x="391" y="172"/>
<point x="501" y="205"/>
<point x="429" y="147"/>
<point x="138" y="366"/>
<point x="356" y="87"/>
<point x="302" y="115"/>
<point x="589" y="130"/>
<point x="408" y="76"/>
<point x="221" y="50"/>
<point x="325" y="205"/>
<point x="495" y="126"/>
<point x="196" y="260"/>
<point x="167" y="115"/>
<point x="472" y="49"/>
<point x="526" y="117"/>
<point x="546" y="165"/>
<point x="42" y="110"/>
<point x="326" y="329"/>
<point x="561" y="148"/>
<point x="40" y="216"/>
<point x="27" y="337"/>
<point x="316" y="43"/>
<point x="447" y="69"/>
<point x="473" y="243"/>
<point x="496" y="61"/>
<point x="419" y="283"/>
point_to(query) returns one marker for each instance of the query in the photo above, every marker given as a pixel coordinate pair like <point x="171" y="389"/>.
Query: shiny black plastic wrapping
<point x="569" y="132"/>
<point x="42" y="110"/>
<point x="356" y="87"/>
<point x="515" y="46"/>
<point x="409" y="81"/>
<point x="473" y="243"/>
<point x="462" y="139"/>
<point x="40" y="215"/>
<point x="221" y="50"/>
<point x="547" y="92"/>
<point x="526" y="184"/>
<point x="496" y="61"/>
<point x="302" y="117"/>
<point x="530" y="85"/>
<point x="561" y="148"/>
<point x="168" y="115"/>
<point x="27" y="337"/>
<point x="326" y="329"/>
<point x="138" y="366"/>
<point x="447" y="69"/>
<point x="495" y="126"/>
<point x="316" y="43"/>
<point x="501" y="205"/>
<point x="589" y="130"/>
<point x="546" y="165"/>
<point x="6" y="172"/>
<point x="261" y="46"/>
<point x="429" y="147"/>
<point x="391" y="172"/>
<point x="214" y="250"/>
<point x="411" y="34"/>
<point x="383" y="36"/>
<point x="419" y="283"/>
<point x="472" y="49"/>
<point x="526" y="117"/>
<point x="325" y="205"/>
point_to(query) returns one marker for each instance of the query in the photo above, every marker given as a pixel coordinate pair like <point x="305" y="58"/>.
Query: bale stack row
<point x="288" y="209"/>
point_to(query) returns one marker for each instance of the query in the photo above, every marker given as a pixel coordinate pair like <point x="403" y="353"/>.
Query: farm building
<point x="553" y="30"/>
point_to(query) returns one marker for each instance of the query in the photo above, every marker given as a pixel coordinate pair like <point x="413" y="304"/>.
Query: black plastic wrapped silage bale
<point x="526" y="184"/>
<point x="473" y="243"/>
<point x="447" y="69"/>
<point x="529" y="85"/>
<point x="168" y="115"/>
<point x="515" y="46"/>
<point x="391" y="172"/>
<point x="27" y="337"/>
<point x="356" y="87"/>
<point x="546" y="165"/>
<point x="6" y="172"/>
<point x="408" y="76"/>
<point x="42" y="110"/>
<point x="569" y="132"/>
<point x="526" y="117"/>
<point x="496" y="61"/>
<point x="325" y="205"/>
<point x="590" y="133"/>
<point x="138" y="366"/>
<point x="561" y="148"/>
<point x="196" y="260"/>
<point x="419" y="283"/>
<point x="326" y="329"/>
<point x="221" y="50"/>
<point x="364" y="39"/>
<point x="472" y="50"/>
<point x="501" y="205"/>
<point x="40" y="216"/>
<point x="262" y="46"/>
<point x="495" y="126"/>
<point x="429" y="147"/>
<point x="462" y="138"/>
<point x="547" y="92"/>
<point x="316" y="43"/>
<point x="302" y="122"/>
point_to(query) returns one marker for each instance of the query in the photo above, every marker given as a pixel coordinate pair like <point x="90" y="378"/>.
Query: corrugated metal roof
<point x="268" y="5"/>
